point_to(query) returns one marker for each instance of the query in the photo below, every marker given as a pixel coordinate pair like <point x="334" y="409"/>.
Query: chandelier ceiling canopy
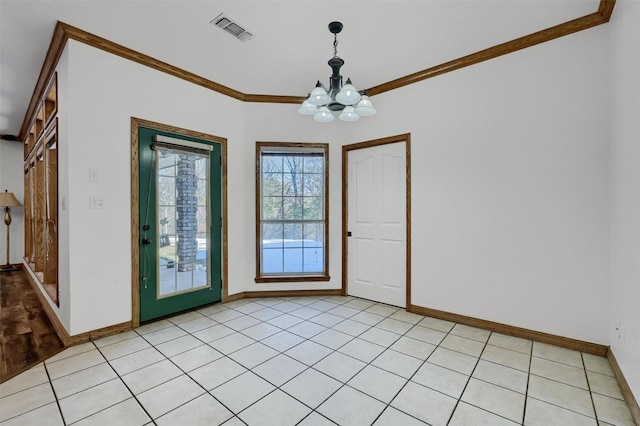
<point x="344" y="101"/>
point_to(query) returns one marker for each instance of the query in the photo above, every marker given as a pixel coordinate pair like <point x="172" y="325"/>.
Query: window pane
<point x="202" y="219"/>
<point x="292" y="164"/>
<point x="271" y="184"/>
<point x="165" y="170"/>
<point x="313" y="234"/>
<point x="293" y="235"/>
<point x="202" y="165"/>
<point x="167" y="220"/>
<point x="272" y="208"/>
<point x="271" y="164"/>
<point x="313" y="164"/>
<point x="200" y="276"/>
<point x="313" y="259"/>
<point x="292" y="184"/>
<point x="293" y="260"/>
<point x="201" y="192"/>
<point x="292" y="208"/>
<point x="166" y="191"/>
<point x="313" y="185"/>
<point x="272" y="235"/>
<point x="272" y="261"/>
<point x="167" y="251"/>
<point x="313" y="208"/>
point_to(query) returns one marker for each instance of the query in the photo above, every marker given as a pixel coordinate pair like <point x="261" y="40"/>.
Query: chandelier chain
<point x="335" y="45"/>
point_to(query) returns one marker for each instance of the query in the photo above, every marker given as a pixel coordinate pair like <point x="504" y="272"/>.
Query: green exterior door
<point x="180" y="223"/>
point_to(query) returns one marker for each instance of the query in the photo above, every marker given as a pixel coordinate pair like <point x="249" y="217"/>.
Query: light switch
<point x="96" y="202"/>
<point x="93" y="175"/>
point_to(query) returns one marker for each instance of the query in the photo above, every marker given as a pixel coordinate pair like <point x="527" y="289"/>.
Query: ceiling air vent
<point x="229" y="25"/>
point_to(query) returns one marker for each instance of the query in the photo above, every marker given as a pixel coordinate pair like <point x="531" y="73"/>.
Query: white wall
<point x="510" y="169"/>
<point x="104" y="92"/>
<point x="12" y="179"/>
<point x="510" y="175"/>
<point x="625" y="190"/>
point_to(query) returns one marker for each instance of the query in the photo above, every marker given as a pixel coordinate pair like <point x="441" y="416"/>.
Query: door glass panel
<point x="183" y="221"/>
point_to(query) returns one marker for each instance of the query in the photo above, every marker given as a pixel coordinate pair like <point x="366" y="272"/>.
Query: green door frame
<point x="219" y="259"/>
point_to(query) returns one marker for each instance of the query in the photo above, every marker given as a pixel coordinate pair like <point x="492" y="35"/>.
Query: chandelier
<point x="344" y="101"/>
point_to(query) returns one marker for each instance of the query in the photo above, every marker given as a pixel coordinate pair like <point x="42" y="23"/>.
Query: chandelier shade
<point x="308" y="108"/>
<point x="349" y="114"/>
<point x="365" y="108"/>
<point x="342" y="101"/>
<point x="348" y="95"/>
<point x="319" y="96"/>
<point x="323" y="115"/>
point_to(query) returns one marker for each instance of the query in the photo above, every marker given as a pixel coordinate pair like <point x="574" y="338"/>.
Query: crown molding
<point x="63" y="32"/>
<point x="598" y="18"/>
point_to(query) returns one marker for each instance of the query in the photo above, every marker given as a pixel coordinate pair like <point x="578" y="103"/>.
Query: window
<point x="292" y="212"/>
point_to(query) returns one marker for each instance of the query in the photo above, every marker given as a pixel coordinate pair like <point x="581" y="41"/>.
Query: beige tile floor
<point x="314" y="361"/>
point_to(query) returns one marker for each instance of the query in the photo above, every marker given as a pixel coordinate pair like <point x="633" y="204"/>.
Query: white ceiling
<point x="381" y="40"/>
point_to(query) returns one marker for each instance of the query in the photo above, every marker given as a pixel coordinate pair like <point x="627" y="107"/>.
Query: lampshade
<point x="319" y="96"/>
<point x="348" y="114"/>
<point x="7" y="199"/>
<point x="348" y="95"/>
<point x="323" y="115"/>
<point x="365" y="107"/>
<point x="307" y="108"/>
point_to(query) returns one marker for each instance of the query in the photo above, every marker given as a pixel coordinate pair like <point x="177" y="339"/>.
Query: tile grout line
<point x="418" y="369"/>
<point x="565" y="384"/>
<point x="125" y="385"/>
<point x="235" y="415"/>
<point x="326" y="328"/>
<point x="370" y="363"/>
<point x="55" y="395"/>
<point x="308" y="367"/>
<point x="593" y="404"/>
<point x="184" y="373"/>
<point x="526" y="390"/>
<point x="470" y="375"/>
<point x="343" y="384"/>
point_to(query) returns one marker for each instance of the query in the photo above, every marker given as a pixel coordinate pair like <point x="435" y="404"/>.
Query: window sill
<point x="289" y="278"/>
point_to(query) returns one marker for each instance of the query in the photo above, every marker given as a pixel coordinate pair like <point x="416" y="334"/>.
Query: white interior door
<point x="377" y="223"/>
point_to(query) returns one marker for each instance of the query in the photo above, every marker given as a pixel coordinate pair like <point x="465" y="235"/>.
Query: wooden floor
<point x="27" y="336"/>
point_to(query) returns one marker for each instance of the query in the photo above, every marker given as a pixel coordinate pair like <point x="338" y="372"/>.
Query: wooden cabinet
<point x="41" y="193"/>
